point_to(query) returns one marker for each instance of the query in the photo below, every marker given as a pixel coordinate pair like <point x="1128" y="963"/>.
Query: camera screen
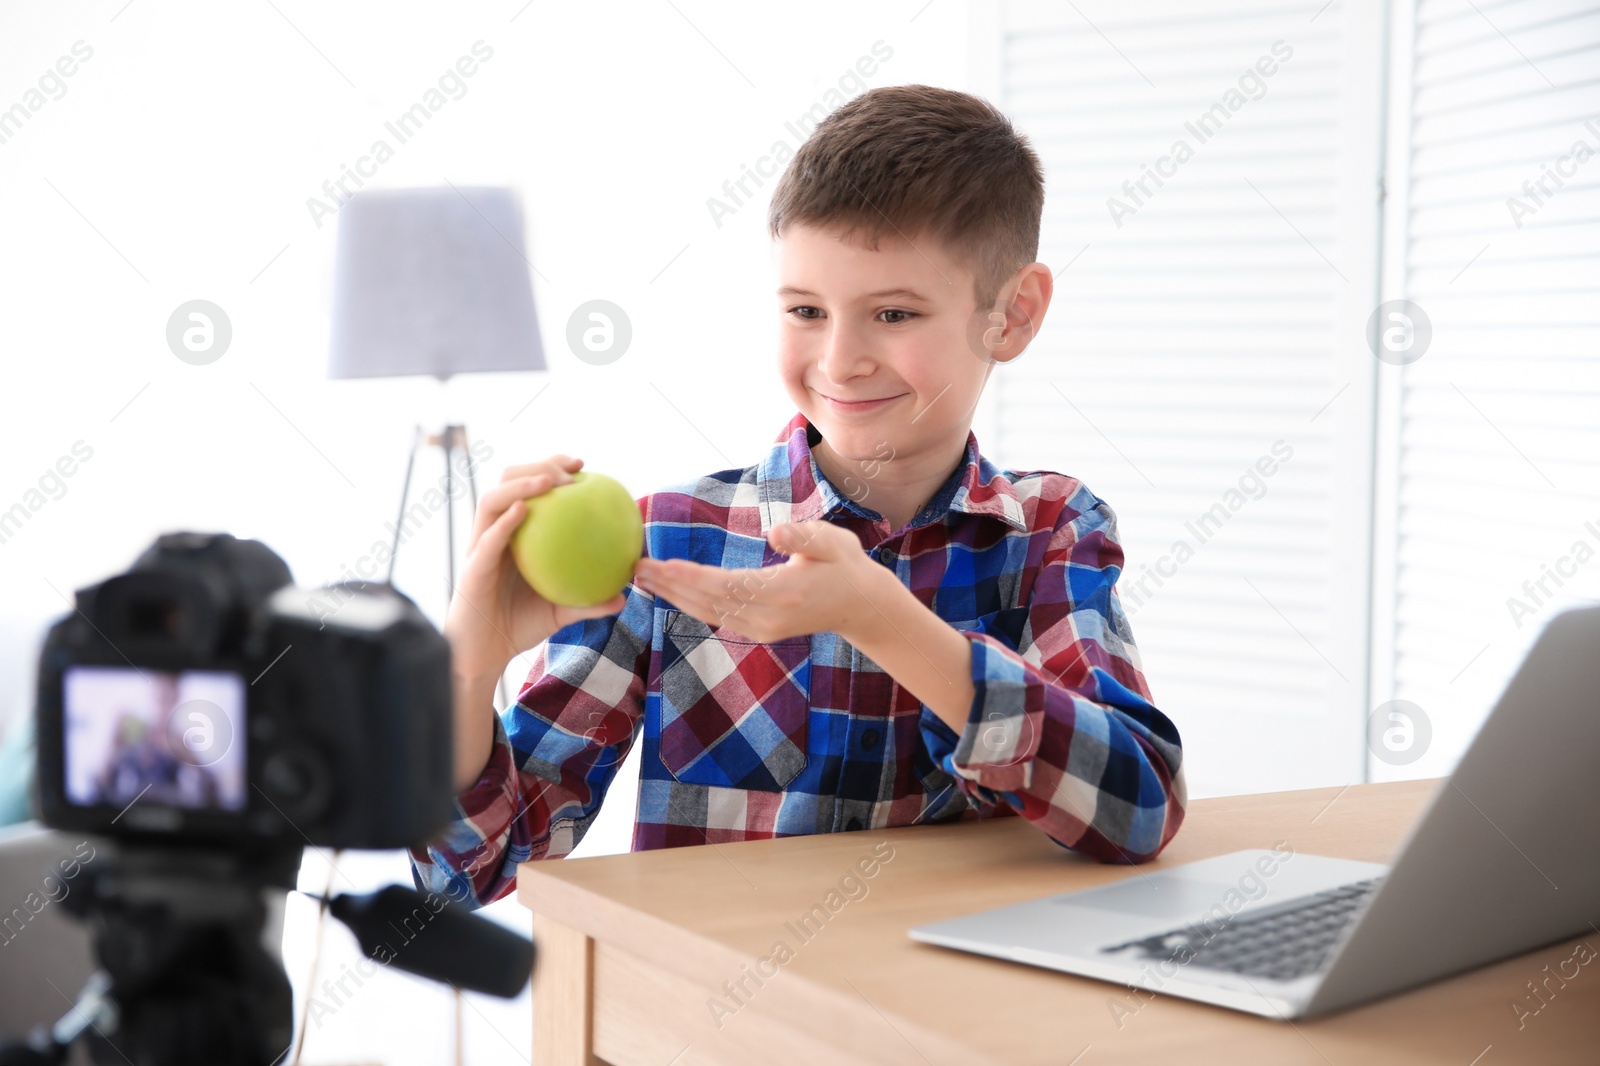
<point x="173" y="739"/>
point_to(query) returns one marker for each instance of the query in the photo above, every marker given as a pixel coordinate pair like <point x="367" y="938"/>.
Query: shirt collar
<point x="792" y="487"/>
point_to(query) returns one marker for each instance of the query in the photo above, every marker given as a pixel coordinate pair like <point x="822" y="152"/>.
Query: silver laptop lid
<point x="1507" y="855"/>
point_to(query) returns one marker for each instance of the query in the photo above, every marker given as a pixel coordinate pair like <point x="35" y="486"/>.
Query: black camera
<point x="212" y="720"/>
<point x="202" y="696"/>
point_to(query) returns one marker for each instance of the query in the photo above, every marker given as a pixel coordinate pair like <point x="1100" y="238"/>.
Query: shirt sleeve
<point x="556" y="751"/>
<point x="1062" y="728"/>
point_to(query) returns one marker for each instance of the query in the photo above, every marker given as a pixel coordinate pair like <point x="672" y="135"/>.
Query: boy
<point x="872" y="627"/>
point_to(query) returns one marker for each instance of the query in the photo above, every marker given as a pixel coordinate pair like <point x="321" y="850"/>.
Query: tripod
<point x="451" y="440"/>
<point x="184" y="975"/>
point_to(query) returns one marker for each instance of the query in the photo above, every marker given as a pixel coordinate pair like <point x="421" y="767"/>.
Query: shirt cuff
<point x="996" y="748"/>
<point x="464" y="860"/>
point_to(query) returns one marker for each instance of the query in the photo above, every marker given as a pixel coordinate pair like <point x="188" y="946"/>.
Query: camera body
<point x="201" y="698"/>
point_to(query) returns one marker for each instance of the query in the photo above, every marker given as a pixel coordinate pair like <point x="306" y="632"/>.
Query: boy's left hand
<point x="824" y="586"/>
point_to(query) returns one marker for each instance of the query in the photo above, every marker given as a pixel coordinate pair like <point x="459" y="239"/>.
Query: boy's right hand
<point x="495" y="614"/>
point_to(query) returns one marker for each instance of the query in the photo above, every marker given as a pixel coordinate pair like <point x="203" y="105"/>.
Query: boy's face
<point x="896" y="326"/>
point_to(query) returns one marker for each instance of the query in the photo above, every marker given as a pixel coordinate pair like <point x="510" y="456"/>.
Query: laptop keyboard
<point x="1280" y="943"/>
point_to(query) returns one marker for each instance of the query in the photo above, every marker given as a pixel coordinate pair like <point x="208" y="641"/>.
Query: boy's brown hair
<point x="916" y="160"/>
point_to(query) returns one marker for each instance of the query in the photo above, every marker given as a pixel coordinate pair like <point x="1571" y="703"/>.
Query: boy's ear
<point x="1023" y="304"/>
<point x="1000" y="333"/>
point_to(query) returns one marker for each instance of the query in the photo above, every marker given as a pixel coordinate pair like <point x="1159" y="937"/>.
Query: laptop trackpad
<point x="1163" y="896"/>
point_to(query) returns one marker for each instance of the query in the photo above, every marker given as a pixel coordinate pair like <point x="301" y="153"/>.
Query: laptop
<point x="1502" y="861"/>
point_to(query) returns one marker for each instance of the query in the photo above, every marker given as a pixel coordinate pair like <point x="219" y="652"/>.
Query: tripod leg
<point x="405" y="492"/>
<point x="472" y="485"/>
<point x="472" y="477"/>
<point x="450" y="512"/>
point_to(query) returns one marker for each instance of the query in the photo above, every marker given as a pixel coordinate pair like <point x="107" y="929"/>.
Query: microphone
<point x="432" y="937"/>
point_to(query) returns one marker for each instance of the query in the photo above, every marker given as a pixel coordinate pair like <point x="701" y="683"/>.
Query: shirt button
<point x="869" y="739"/>
<point x="854" y="823"/>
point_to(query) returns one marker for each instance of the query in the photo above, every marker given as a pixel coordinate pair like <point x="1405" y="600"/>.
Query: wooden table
<point x="635" y="950"/>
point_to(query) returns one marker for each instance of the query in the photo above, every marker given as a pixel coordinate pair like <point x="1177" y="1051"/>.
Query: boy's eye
<point x="893" y="317"/>
<point x="807" y="314"/>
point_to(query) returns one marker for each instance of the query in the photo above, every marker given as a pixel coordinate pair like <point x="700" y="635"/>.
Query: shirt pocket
<point x="733" y="710"/>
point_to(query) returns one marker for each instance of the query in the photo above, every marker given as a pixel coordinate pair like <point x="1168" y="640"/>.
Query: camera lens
<point x="297" y="781"/>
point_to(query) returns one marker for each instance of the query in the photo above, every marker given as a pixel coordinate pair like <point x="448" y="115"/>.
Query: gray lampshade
<point x="432" y="281"/>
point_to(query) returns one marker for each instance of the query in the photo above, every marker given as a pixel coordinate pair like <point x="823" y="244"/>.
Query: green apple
<point x="578" y="543"/>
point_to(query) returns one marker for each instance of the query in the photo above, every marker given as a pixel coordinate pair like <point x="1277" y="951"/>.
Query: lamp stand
<point x="452" y="438"/>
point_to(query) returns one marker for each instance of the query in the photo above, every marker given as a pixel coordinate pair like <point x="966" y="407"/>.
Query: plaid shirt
<point x="744" y="740"/>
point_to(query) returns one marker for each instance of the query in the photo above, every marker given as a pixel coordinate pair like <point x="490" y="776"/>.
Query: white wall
<point x="177" y="165"/>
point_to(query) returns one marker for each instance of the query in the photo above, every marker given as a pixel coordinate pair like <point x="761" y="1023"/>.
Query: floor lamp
<point x="433" y="282"/>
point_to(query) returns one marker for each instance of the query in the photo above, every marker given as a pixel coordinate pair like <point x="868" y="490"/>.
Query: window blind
<point x="1489" y="466"/>
<point x="1212" y="220"/>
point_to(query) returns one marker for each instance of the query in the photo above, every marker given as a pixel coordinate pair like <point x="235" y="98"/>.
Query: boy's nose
<point x="844" y="356"/>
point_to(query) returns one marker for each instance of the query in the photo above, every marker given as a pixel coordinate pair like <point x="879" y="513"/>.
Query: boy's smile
<point x="846" y="406"/>
<point x="874" y="349"/>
